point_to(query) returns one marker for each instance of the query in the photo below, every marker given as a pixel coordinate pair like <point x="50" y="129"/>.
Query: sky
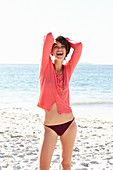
<point x="23" y="23"/>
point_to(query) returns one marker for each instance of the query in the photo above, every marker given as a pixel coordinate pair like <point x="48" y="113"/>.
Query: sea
<point x="91" y="86"/>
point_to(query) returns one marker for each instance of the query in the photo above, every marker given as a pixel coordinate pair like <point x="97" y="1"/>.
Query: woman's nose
<point x="59" y="48"/>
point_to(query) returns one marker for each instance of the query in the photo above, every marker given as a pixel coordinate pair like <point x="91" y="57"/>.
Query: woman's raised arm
<point x="47" y="46"/>
<point x="75" y="55"/>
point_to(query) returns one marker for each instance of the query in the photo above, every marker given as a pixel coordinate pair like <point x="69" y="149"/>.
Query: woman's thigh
<point x="67" y="144"/>
<point x="48" y="144"/>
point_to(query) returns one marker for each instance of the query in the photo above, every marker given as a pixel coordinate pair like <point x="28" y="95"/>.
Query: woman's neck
<point x="58" y="68"/>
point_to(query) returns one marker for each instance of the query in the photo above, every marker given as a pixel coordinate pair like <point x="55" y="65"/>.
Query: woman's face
<point x="59" y="51"/>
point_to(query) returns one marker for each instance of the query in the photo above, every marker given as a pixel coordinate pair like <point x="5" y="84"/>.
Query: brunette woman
<point x="54" y="99"/>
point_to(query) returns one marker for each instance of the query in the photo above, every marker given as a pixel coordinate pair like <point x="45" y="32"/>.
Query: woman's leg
<point x="48" y="145"/>
<point x="67" y="144"/>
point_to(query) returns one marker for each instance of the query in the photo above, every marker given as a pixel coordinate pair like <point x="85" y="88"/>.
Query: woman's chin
<point x="59" y="58"/>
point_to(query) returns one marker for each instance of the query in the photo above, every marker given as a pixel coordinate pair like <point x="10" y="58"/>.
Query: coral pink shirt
<point x="50" y="90"/>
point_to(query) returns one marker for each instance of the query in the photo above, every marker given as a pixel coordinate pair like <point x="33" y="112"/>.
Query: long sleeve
<point x="47" y="47"/>
<point x="75" y="56"/>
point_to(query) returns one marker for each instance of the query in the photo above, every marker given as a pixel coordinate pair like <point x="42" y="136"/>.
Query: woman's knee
<point x="66" y="165"/>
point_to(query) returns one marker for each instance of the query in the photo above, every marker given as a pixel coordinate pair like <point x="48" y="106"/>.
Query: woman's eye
<point x="62" y="47"/>
<point x="57" y="47"/>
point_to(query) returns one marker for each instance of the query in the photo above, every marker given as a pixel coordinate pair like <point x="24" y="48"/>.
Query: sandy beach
<point x="20" y="132"/>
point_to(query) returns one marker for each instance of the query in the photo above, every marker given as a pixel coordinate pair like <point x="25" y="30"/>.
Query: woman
<point x="54" y="99"/>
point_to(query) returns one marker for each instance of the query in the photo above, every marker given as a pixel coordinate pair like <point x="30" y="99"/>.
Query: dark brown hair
<point x="65" y="42"/>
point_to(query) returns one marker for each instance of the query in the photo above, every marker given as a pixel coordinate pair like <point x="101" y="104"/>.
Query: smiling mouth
<point x="59" y="54"/>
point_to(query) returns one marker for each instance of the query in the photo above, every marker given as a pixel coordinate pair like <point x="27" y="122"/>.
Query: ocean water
<point x="90" y="85"/>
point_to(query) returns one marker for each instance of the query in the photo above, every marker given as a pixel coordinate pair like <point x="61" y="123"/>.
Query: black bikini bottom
<point x="60" y="129"/>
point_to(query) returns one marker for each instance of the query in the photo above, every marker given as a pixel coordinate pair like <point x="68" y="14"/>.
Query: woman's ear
<point x="51" y="53"/>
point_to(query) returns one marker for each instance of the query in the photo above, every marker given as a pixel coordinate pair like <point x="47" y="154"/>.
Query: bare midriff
<point x="54" y="118"/>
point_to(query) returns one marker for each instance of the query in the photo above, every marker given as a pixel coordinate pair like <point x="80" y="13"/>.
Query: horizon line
<point x="39" y="63"/>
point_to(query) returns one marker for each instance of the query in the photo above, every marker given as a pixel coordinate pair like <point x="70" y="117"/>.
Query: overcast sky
<point x="23" y="23"/>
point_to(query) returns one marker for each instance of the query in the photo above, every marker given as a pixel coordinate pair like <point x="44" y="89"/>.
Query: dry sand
<point x="20" y="132"/>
